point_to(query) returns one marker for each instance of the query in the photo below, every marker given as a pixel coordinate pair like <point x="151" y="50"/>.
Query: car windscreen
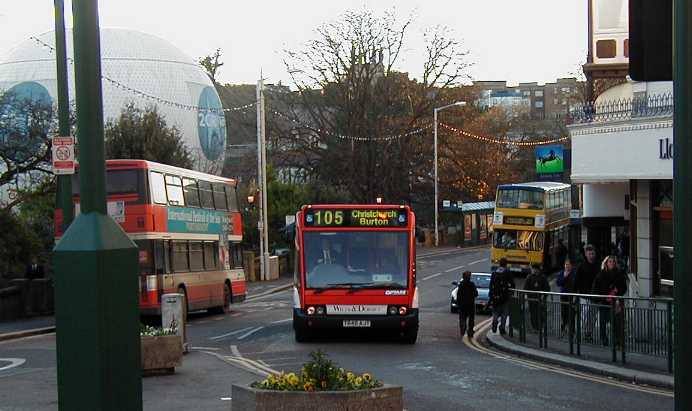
<point x="356" y="259"/>
<point x="481" y="281"/>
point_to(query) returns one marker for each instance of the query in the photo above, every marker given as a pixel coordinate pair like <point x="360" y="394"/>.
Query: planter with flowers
<point x="162" y="350"/>
<point x="321" y="385"/>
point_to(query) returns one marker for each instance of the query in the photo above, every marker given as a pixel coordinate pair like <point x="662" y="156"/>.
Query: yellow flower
<point x="359" y="381"/>
<point x="308" y="386"/>
<point x="350" y="376"/>
<point x="293" y="379"/>
<point x="367" y="377"/>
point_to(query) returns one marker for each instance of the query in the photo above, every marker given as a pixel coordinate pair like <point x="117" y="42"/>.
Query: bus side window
<point x="159" y="257"/>
<point x="174" y="187"/>
<point x="205" y="194"/>
<point x="219" y="197"/>
<point x="209" y="252"/>
<point x="167" y="256"/>
<point x="158" y="188"/>
<point x="238" y="252"/>
<point x="231" y="198"/>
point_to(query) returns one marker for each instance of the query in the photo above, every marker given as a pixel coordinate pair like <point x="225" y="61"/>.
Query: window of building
<point x="196" y="256"/>
<point x="538" y="93"/>
<point x="539" y="104"/>
<point x="219" y="196"/>
<point x="191" y="192"/>
<point x="605" y="49"/>
<point x="627" y="48"/>
<point x="158" y="188"/>
<point x="206" y="195"/>
<point x="174" y="187"/>
<point x="179" y="256"/>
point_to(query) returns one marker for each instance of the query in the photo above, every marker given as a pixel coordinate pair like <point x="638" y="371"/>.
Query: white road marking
<point x="282" y="321"/>
<point x="431" y="276"/>
<point x="455" y="269"/>
<point x="14" y="362"/>
<point x="235" y="351"/>
<point x="205" y="348"/>
<point x="225" y="398"/>
<point x="478" y="261"/>
<point x="218" y="337"/>
<point x="249" y="333"/>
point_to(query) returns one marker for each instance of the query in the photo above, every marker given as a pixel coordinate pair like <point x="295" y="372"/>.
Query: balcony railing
<point x="622" y="109"/>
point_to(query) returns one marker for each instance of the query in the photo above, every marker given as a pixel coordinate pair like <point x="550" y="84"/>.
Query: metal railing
<point x="622" y="109"/>
<point x="622" y="325"/>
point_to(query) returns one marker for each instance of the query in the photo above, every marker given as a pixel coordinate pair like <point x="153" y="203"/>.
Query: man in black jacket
<point x="34" y="270"/>
<point x="466" y="301"/>
<point x="586" y="273"/>
<point x="536" y="281"/>
<point x="501" y="283"/>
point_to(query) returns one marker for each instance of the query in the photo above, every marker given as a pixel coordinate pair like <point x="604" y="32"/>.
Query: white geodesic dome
<point x="136" y="67"/>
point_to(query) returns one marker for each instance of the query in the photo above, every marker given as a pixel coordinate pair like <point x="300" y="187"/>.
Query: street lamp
<point x="435" y="110"/>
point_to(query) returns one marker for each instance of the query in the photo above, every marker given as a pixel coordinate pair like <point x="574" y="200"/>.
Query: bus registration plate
<point x="356" y="323"/>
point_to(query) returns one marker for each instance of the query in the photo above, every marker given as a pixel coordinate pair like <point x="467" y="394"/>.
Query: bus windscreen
<point x="355" y="259"/>
<point x="118" y="182"/>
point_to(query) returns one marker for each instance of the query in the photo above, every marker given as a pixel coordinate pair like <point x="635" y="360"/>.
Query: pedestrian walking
<point x="586" y="273"/>
<point x="536" y="281"/>
<point x="610" y="282"/>
<point x="561" y="253"/>
<point x="466" y="301"/>
<point x="501" y="283"/>
<point x="34" y="270"/>
<point x="566" y="280"/>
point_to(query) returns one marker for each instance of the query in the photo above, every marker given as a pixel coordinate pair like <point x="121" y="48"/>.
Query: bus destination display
<point x="355" y="218"/>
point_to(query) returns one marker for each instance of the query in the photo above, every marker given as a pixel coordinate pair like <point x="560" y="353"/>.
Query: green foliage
<point x="147" y="330"/>
<point x="144" y="134"/>
<point x="37" y="211"/>
<point x="18" y="243"/>
<point x="318" y="374"/>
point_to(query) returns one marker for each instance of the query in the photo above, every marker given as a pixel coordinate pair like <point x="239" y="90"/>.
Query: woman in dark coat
<point x="611" y="282"/>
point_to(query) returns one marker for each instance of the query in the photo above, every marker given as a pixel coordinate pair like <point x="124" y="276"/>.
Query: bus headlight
<point x="320" y="310"/>
<point x="392" y="310"/>
<point x="402" y="310"/>
<point x="311" y="310"/>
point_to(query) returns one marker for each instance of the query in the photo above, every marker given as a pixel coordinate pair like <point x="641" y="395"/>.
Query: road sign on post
<point x="63" y="155"/>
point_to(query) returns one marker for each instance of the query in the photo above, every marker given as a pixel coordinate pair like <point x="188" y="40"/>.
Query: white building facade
<point x="622" y="155"/>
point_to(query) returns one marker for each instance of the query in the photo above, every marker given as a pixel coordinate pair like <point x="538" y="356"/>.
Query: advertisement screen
<point x="550" y="159"/>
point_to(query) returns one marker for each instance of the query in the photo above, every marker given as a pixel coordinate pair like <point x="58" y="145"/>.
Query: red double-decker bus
<point x="355" y="270"/>
<point x="188" y="229"/>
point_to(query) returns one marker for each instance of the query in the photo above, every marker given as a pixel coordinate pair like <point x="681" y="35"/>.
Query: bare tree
<point x="211" y="63"/>
<point x="350" y="97"/>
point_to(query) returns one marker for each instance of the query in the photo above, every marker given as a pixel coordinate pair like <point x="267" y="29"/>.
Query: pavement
<point x="27" y="327"/>
<point x="603" y="367"/>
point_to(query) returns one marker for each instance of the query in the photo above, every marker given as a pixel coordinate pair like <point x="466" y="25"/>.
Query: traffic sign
<point x="63" y="155"/>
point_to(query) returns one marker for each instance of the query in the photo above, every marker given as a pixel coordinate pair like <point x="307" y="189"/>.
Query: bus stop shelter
<point x="467" y="224"/>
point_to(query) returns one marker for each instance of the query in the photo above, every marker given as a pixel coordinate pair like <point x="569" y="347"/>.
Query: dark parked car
<point x="482" y="281"/>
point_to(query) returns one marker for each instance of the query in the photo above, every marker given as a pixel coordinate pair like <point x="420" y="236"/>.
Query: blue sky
<point x="517" y="41"/>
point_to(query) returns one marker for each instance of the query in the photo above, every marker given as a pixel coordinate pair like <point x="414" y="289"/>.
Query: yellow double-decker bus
<point x="529" y="220"/>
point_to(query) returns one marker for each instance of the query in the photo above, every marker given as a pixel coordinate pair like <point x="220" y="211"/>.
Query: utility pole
<point x="682" y="209"/>
<point x="96" y="264"/>
<point x="64" y="199"/>
<point x="260" y="173"/>
<point x="265" y="222"/>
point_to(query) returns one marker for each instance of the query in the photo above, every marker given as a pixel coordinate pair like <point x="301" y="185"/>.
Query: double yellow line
<point x="483" y="327"/>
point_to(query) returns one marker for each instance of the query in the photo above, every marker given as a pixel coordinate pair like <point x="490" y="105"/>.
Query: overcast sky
<point x="517" y="41"/>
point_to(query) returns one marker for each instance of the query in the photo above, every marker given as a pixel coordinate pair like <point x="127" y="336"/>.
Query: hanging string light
<point x="492" y="140"/>
<point x="147" y="96"/>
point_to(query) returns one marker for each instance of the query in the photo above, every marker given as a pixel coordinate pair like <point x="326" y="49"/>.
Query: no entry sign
<point x="63" y="155"/>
